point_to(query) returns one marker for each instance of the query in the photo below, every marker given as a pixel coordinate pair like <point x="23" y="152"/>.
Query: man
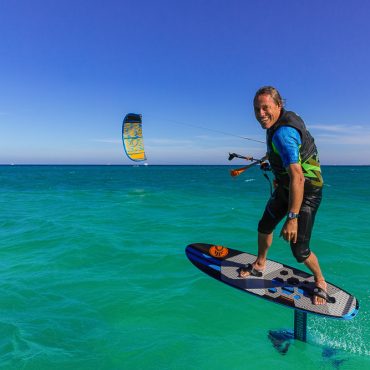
<point x="293" y="157"/>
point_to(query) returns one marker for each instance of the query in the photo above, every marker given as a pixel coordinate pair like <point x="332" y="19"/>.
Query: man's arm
<point x="296" y="187"/>
<point x="296" y="190"/>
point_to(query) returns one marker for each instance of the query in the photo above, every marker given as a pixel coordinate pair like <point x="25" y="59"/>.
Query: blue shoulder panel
<point x="287" y="141"/>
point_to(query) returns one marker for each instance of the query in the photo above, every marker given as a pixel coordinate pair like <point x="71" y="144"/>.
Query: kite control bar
<point x="239" y="171"/>
<point x="264" y="166"/>
<point x="234" y="155"/>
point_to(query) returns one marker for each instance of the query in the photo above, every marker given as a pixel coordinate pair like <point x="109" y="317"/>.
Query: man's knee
<point x="265" y="229"/>
<point x="301" y="251"/>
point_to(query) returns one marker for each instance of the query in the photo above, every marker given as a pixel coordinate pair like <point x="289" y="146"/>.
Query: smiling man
<point x="293" y="157"/>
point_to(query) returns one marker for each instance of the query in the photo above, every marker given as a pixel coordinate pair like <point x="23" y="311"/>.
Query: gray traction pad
<point x="344" y="303"/>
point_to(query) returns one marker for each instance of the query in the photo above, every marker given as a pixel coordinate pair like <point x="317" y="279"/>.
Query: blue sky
<point x="71" y="70"/>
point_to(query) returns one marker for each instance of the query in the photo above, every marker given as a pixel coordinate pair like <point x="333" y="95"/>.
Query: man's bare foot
<point x="316" y="299"/>
<point x="251" y="270"/>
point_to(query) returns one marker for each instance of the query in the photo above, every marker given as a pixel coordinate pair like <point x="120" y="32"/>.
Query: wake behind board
<point x="279" y="284"/>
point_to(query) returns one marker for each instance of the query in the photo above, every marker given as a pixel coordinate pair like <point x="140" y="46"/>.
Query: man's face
<point x="266" y="110"/>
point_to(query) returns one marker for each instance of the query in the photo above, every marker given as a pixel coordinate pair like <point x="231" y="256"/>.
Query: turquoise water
<point x="94" y="275"/>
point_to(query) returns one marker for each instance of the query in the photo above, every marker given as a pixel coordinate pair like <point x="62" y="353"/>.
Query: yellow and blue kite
<point x="132" y="137"/>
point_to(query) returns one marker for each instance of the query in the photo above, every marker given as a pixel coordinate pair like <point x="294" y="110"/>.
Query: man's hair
<point x="269" y="90"/>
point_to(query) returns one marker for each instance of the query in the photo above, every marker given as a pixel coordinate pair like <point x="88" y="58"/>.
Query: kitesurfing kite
<point x="132" y="137"/>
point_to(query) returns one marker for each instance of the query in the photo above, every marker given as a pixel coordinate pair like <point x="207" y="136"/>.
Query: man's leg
<point x="313" y="264"/>
<point x="274" y="212"/>
<point x="301" y="250"/>
<point x="264" y="243"/>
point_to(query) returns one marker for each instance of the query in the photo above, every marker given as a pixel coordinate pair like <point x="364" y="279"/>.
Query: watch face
<point x="292" y="215"/>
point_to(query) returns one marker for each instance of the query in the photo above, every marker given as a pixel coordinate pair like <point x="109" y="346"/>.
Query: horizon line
<point x="147" y="164"/>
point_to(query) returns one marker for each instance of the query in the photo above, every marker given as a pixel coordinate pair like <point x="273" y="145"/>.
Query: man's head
<point x="267" y="106"/>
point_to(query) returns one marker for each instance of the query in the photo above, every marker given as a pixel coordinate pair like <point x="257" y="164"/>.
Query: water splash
<point x="349" y="336"/>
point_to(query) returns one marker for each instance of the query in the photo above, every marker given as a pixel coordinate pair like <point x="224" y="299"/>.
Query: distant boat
<point x="139" y="165"/>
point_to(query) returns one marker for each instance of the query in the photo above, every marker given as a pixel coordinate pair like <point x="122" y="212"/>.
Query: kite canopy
<point x="132" y="137"/>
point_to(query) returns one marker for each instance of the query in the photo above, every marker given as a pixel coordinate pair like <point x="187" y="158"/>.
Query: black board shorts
<point x="277" y="208"/>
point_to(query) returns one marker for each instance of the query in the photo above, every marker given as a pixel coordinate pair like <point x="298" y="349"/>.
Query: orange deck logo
<point x="218" y="251"/>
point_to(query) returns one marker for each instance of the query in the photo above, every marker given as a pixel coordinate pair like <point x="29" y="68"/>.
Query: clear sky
<point x="70" y="70"/>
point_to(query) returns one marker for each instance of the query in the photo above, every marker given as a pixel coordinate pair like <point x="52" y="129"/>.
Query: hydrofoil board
<point x="279" y="283"/>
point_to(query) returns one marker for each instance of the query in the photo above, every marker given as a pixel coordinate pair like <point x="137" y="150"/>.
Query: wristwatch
<point x="292" y="215"/>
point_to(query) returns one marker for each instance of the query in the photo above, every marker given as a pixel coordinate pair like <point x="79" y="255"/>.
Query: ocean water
<point x="94" y="276"/>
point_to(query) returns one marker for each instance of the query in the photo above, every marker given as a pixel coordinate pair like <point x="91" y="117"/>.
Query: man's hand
<point x="289" y="232"/>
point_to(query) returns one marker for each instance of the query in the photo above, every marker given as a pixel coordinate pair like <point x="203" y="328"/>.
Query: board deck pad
<point x="280" y="283"/>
